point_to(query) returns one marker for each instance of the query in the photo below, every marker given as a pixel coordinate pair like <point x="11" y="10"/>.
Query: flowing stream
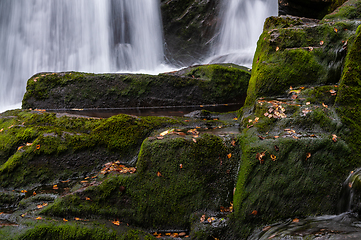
<point x="241" y="25"/>
<point x="81" y="35"/>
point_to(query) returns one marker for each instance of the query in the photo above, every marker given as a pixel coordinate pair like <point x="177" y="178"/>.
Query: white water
<point x="75" y="35"/>
<point x="241" y="26"/>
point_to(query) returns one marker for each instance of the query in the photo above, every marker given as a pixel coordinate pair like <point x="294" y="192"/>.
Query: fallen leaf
<point x="260" y="137"/>
<point x="55" y="187"/>
<point x="65" y="220"/>
<point x="203" y="218"/>
<point x="296" y="220"/>
<point x="294" y="97"/>
<point x="23" y="191"/>
<point x="235" y="119"/>
<point x="159" y="174"/>
<point x="38" y="147"/>
<point x="34" y="193"/>
<point x="1" y="130"/>
<point x="266" y="228"/>
<point x="20" y="147"/>
<point x="194" y="140"/>
<point x="29" y="144"/>
<point x="254" y="212"/>
<point x="116" y="223"/>
<point x="233" y="143"/>
<point x="321" y="43"/>
<point x="334" y="137"/>
<point x="276" y="137"/>
<point x="38" y="218"/>
<point x="333" y="92"/>
<point x="277" y="148"/>
<point x="335" y="30"/>
<point x="324" y="105"/>
<point x="260" y="156"/>
<point x="273" y="157"/>
<point x="308" y="156"/>
<point x="87" y="199"/>
<point x="162" y="134"/>
<point x="77" y="219"/>
<point x="229" y="155"/>
<point x="277" y="48"/>
<point x="180" y="166"/>
<point x="308" y="103"/>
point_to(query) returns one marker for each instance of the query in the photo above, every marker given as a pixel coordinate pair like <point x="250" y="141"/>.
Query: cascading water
<point x="242" y="23"/>
<point x="81" y="35"/>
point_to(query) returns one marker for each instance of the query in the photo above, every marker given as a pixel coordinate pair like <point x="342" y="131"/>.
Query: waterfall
<point x="241" y="25"/>
<point x="81" y="35"/>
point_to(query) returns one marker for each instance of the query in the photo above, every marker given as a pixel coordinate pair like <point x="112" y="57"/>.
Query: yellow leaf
<point x="65" y="220"/>
<point x="273" y="157"/>
<point x="77" y="219"/>
<point x="23" y="191"/>
<point x="334" y="137"/>
<point x="38" y="218"/>
<point x="55" y="187"/>
<point x="38" y="147"/>
<point x="336" y="30"/>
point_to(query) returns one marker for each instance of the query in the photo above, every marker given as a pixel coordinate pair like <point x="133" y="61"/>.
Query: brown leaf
<point x="260" y="137"/>
<point x="159" y="174"/>
<point x="266" y="228"/>
<point x="254" y="212"/>
<point x="233" y="143"/>
<point x="277" y="148"/>
<point x="308" y="156"/>
<point x="260" y="156"/>
<point x="334" y="137"/>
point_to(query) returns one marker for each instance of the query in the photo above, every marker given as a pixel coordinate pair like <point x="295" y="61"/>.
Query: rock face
<point x="189" y="26"/>
<point x="308" y="8"/>
<point x="209" y="84"/>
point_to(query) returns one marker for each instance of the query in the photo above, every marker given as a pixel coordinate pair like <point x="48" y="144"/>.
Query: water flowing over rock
<point x="40" y="35"/>
<point x="242" y="23"/>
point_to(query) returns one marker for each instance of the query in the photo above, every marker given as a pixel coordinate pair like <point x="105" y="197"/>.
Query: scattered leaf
<point x="23" y="191"/>
<point x="266" y="228"/>
<point x="296" y="220"/>
<point x="116" y="223"/>
<point x="334" y="137"/>
<point x="55" y="187"/>
<point x="277" y="148"/>
<point x="273" y="157"/>
<point x="324" y="105"/>
<point x="294" y="97"/>
<point x="203" y="218"/>
<point x="308" y="156"/>
<point x="229" y="155"/>
<point x="308" y="103"/>
<point x="233" y="143"/>
<point x="235" y="119"/>
<point x="277" y="48"/>
<point x="1" y="130"/>
<point x="38" y="147"/>
<point x="180" y="166"/>
<point x="260" y="137"/>
<point x="20" y="147"/>
<point x="276" y="137"/>
<point x="194" y="140"/>
<point x="87" y="199"/>
<point x="333" y="92"/>
<point x="159" y="174"/>
<point x="41" y="205"/>
<point x="335" y="30"/>
<point x="260" y="156"/>
<point x="162" y="134"/>
<point x="29" y="144"/>
<point x="254" y="212"/>
<point x="77" y="219"/>
<point x="38" y="218"/>
<point x="321" y="43"/>
<point x="34" y="193"/>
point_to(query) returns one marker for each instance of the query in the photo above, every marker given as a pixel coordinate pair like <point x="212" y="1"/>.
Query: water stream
<point x="82" y="35"/>
<point x="241" y="24"/>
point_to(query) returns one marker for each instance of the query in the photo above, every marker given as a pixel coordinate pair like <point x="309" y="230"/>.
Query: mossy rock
<point x="40" y="147"/>
<point x="82" y="90"/>
<point x="351" y="9"/>
<point x="175" y="177"/>
<point x="297" y="52"/>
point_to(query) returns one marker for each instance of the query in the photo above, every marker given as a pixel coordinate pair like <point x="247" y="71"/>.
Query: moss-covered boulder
<point x="41" y="147"/>
<point x="217" y="84"/>
<point x="295" y="52"/>
<point x="308" y="8"/>
<point x="176" y="176"/>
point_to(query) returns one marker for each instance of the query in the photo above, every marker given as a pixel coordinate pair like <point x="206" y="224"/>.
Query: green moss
<point x="161" y="193"/>
<point x="78" y="232"/>
<point x="41" y="146"/>
<point x="350" y="10"/>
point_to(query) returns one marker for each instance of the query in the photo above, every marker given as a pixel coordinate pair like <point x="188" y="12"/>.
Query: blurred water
<point x="241" y="25"/>
<point x="82" y="35"/>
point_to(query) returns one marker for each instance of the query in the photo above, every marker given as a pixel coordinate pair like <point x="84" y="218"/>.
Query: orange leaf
<point x="38" y="218"/>
<point x="334" y="137"/>
<point x="180" y="166"/>
<point x="77" y="219"/>
<point x="229" y="155"/>
<point x="55" y="187"/>
<point x="260" y="156"/>
<point x="194" y="140"/>
<point x="296" y="220"/>
<point x="38" y="147"/>
<point x="321" y="43"/>
<point x="336" y="30"/>
<point x="116" y="223"/>
<point x="233" y="143"/>
<point x="273" y="157"/>
<point x="159" y="174"/>
<point x="266" y="228"/>
<point x="308" y="156"/>
<point x="87" y="199"/>
<point x="65" y="220"/>
<point x="254" y="212"/>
